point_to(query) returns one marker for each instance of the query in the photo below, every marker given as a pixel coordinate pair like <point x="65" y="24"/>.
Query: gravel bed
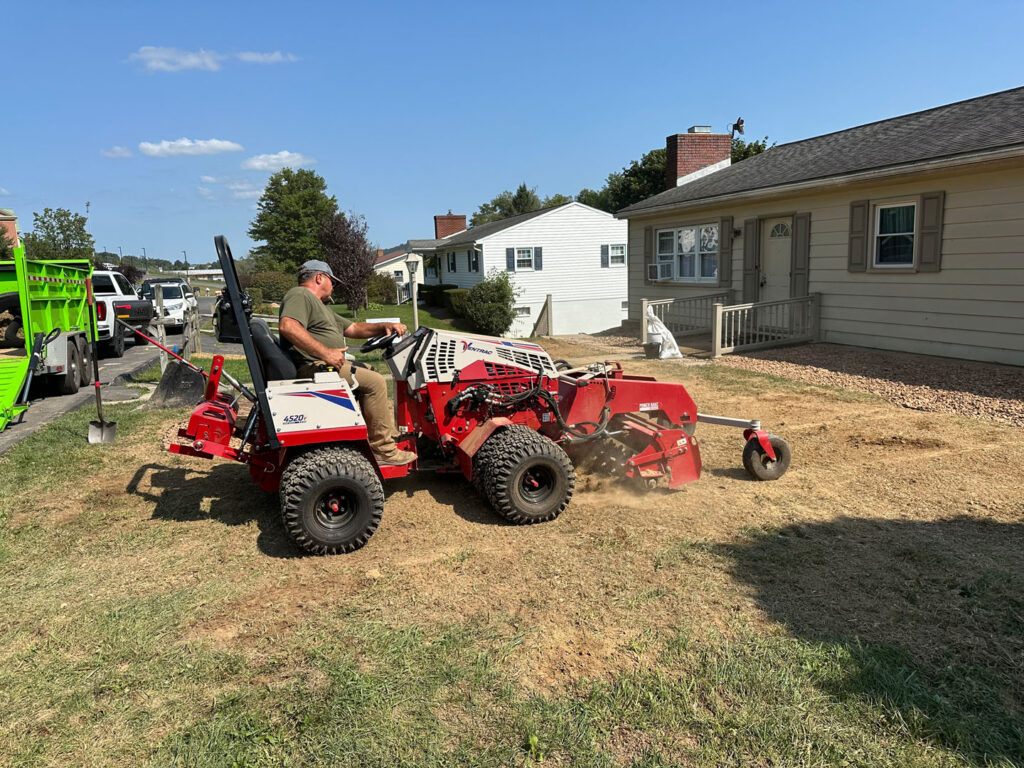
<point x="942" y="385"/>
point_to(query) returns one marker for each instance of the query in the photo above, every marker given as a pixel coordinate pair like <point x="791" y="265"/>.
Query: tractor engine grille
<point x="440" y="359"/>
<point x="510" y="387"/>
<point x="527" y="360"/>
<point x="496" y="370"/>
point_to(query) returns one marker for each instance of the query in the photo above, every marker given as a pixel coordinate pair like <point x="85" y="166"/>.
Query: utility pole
<point x="145" y="261"/>
<point x="120" y="255"/>
<point x="186" y="264"/>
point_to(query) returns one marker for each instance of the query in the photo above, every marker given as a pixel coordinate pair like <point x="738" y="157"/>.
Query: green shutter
<point x="800" y="266"/>
<point x="751" y="279"/>
<point x="860" y="236"/>
<point x="725" y="252"/>
<point x="929" y="231"/>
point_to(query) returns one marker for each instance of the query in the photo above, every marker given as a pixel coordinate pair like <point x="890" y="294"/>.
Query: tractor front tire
<point x="757" y="463"/>
<point x="331" y="500"/>
<point x="524" y="475"/>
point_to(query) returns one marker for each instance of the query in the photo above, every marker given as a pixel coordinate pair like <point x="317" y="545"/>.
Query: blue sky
<point x="412" y="109"/>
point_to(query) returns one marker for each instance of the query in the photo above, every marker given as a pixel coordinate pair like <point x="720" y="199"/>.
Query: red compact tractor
<point x="499" y="412"/>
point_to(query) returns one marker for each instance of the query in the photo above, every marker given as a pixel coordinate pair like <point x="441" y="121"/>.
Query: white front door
<point x="776" y="258"/>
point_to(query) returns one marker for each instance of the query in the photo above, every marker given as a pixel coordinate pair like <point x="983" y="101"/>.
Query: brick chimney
<point x="448" y="224"/>
<point x="696" y="153"/>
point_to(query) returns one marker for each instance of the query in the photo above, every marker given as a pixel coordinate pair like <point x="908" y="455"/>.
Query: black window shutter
<point x="929" y="231"/>
<point x="469" y="261"/>
<point x="454" y="262"/>
<point x="750" y="266"/>
<point x="510" y="259"/>
<point x="860" y="236"/>
<point x="800" y="269"/>
<point x="648" y="252"/>
<point x="538" y="259"/>
<point x="604" y="256"/>
<point x="725" y="252"/>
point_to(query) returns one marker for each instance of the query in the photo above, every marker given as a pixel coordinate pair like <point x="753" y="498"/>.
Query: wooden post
<point x="716" y="331"/>
<point x="548" y="320"/>
<point x="643" y="321"/>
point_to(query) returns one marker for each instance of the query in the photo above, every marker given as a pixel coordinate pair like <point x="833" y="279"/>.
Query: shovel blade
<point x="102" y="431"/>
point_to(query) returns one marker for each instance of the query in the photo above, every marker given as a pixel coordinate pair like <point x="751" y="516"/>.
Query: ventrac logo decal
<point x="336" y="396"/>
<point x="467" y="346"/>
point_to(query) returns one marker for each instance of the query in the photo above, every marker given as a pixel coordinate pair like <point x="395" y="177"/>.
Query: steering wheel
<point x="380" y="342"/>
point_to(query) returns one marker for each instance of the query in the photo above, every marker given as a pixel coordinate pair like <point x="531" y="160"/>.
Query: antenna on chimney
<point x="737" y="127"/>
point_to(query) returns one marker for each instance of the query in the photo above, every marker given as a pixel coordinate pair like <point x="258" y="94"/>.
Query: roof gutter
<point x="832" y="181"/>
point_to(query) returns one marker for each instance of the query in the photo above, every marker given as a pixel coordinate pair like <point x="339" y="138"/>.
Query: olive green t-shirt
<point x="323" y="323"/>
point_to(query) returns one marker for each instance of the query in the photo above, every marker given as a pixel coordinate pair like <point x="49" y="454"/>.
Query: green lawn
<point x="432" y="317"/>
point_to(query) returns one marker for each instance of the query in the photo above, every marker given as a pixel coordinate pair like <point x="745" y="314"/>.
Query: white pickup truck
<point x="116" y="298"/>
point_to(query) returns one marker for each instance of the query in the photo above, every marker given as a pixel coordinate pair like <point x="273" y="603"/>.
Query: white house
<point x="573" y="253"/>
<point x="396" y="264"/>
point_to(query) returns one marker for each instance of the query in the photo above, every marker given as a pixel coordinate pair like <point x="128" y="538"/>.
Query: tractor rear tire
<point x="757" y="463"/>
<point x="331" y="500"/>
<point x="525" y="476"/>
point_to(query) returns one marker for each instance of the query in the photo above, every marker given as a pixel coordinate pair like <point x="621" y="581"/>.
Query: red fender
<point x="762" y="438"/>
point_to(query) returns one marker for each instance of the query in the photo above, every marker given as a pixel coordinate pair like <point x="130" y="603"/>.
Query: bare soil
<point x="587" y="595"/>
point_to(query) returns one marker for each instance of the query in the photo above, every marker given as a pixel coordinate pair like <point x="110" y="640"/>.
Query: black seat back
<point x="274" y="361"/>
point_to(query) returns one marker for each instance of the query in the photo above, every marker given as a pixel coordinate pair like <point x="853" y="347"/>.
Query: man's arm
<point x="369" y="330"/>
<point x="297" y="334"/>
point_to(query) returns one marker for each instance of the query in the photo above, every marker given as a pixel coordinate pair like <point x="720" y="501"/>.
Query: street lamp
<point x="145" y="261"/>
<point x="412" y="262"/>
<point x="186" y="265"/>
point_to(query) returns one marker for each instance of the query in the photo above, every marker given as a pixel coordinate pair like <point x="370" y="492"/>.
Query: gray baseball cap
<point x="315" y="265"/>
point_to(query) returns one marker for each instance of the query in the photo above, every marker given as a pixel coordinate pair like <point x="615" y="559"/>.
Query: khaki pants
<point x="372" y="394"/>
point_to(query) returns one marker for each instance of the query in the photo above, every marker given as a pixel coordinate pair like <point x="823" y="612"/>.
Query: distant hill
<point x="403" y="248"/>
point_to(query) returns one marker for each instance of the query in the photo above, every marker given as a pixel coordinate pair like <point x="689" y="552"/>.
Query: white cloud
<point x="116" y="152"/>
<point x="208" y="179"/>
<point x="3" y="192"/>
<point x="204" y="192"/>
<point x="188" y="147"/>
<point x="244" y="190"/>
<point x="277" y="161"/>
<point x="156" y="58"/>
<point x="252" y="57"/>
<point x="160" y="58"/>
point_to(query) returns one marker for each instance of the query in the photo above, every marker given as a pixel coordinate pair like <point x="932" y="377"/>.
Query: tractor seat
<point x="275" y="361"/>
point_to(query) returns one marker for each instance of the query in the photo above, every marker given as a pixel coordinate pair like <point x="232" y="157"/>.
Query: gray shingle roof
<point x="474" y="234"/>
<point x="982" y="123"/>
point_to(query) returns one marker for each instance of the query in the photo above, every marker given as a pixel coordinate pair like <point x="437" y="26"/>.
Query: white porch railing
<point x="684" y="315"/>
<point x="764" y="324"/>
<point x="544" y="320"/>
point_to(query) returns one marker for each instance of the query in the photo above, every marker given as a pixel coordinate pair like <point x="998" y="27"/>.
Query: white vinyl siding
<point x="973" y="308"/>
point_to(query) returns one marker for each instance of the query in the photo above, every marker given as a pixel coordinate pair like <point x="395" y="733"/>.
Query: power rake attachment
<point x="497" y="411"/>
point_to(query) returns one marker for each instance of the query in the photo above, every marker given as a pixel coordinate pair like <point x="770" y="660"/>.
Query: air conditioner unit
<point x="659" y="271"/>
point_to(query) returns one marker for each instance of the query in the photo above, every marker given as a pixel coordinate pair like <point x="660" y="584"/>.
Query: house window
<point x="617" y="255"/>
<point x="780" y="230"/>
<point x="522" y="311"/>
<point x="399" y="276"/>
<point x="473" y="259"/>
<point x="688" y="254"/>
<point x="451" y="261"/>
<point x="894" y="235"/>
<point x="524" y="258"/>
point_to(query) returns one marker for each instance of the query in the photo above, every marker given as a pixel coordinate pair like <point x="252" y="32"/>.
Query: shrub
<point x="381" y="288"/>
<point x="272" y="285"/>
<point x="255" y="296"/>
<point x="490" y="304"/>
<point x="433" y="295"/>
<point x="455" y="300"/>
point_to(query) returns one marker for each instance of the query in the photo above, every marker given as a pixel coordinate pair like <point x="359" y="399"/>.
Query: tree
<point x="133" y="274"/>
<point x="6" y="246"/>
<point x="58" y="234"/>
<point x="346" y="249"/>
<point x="741" y="149"/>
<point x="490" y="305"/>
<point x="289" y="215"/>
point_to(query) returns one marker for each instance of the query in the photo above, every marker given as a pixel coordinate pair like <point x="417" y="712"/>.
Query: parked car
<point x="178" y="299"/>
<point x="116" y="298"/>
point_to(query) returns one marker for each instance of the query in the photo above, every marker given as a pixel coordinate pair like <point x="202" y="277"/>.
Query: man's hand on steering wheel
<point x="395" y="328"/>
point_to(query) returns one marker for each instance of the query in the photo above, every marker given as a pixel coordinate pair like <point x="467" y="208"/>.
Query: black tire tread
<point x="309" y="468"/>
<point x="508" y="447"/>
<point x="752" y="459"/>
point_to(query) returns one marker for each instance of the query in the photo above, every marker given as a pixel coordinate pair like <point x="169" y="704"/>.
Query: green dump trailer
<point x="42" y="299"/>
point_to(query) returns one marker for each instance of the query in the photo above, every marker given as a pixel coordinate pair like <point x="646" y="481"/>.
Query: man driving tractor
<point x="314" y="337"/>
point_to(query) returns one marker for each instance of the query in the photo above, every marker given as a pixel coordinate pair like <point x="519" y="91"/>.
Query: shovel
<point x="99" y="431"/>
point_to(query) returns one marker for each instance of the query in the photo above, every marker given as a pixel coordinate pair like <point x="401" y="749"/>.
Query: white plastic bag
<point x="656" y="330"/>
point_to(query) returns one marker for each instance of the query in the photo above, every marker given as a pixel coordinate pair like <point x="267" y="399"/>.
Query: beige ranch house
<point x="908" y="232"/>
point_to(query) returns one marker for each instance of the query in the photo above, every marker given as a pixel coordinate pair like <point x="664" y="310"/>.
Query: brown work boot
<point x="395" y="458"/>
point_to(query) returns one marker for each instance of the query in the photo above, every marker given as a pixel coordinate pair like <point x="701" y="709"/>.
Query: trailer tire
<point x="115" y="347"/>
<point x="331" y="500"/>
<point x="525" y="476"/>
<point x="85" y="353"/>
<point x="757" y="463"/>
<point x="67" y="383"/>
<point x="11" y="332"/>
